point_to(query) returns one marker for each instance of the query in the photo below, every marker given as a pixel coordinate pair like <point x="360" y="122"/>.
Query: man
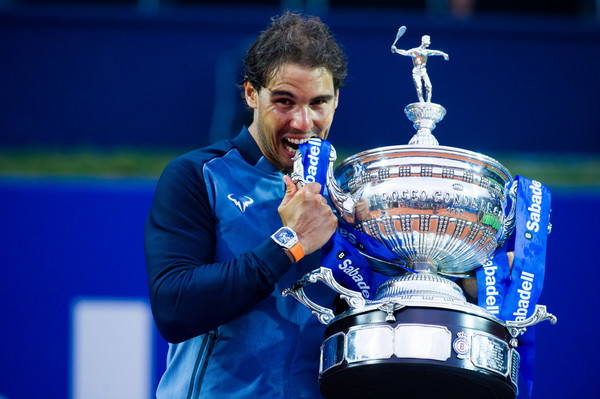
<point x="214" y="271"/>
<point x="419" y="72"/>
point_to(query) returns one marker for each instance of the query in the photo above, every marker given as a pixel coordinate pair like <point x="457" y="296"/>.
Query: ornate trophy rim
<point x="419" y="150"/>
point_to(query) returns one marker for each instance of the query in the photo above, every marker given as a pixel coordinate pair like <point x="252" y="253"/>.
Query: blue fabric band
<point x="513" y="296"/>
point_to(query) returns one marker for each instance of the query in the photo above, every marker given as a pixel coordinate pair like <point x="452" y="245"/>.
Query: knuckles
<point x="311" y="198"/>
<point x="308" y="205"/>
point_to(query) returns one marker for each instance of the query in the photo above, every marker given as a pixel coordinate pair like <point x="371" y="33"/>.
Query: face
<point x="425" y="41"/>
<point x="297" y="104"/>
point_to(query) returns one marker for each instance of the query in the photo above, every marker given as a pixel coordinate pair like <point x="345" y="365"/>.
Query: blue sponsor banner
<point x="530" y="237"/>
<point x="512" y="293"/>
<point x="492" y="281"/>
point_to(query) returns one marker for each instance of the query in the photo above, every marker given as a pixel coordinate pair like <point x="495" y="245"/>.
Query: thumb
<point x="290" y="190"/>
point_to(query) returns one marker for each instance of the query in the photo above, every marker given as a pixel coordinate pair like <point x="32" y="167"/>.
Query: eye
<point x="283" y="101"/>
<point x="321" y="101"/>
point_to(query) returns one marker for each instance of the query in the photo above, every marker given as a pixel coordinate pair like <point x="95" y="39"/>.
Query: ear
<point x="336" y="98"/>
<point x="251" y="95"/>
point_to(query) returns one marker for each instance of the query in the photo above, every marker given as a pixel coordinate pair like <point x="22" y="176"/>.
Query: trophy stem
<point x="425" y="267"/>
<point x="423" y="286"/>
<point x="424" y="116"/>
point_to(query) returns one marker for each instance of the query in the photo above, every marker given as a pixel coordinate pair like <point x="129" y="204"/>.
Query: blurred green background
<point x="572" y="171"/>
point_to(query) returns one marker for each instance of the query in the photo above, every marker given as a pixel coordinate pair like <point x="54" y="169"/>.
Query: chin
<point x="287" y="168"/>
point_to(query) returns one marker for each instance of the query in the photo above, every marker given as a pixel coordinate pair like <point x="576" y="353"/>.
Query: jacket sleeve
<point x="189" y="293"/>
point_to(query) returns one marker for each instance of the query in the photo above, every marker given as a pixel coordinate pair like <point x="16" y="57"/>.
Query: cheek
<point x="272" y="122"/>
<point x="273" y="115"/>
<point x="326" y="116"/>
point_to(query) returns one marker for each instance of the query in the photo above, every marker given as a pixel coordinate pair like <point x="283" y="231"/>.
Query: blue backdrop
<point x="116" y="76"/>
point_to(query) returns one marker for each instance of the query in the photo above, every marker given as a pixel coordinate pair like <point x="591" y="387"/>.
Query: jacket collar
<point x="247" y="146"/>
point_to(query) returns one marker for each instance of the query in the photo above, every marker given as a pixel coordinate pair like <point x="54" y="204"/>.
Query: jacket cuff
<point x="274" y="260"/>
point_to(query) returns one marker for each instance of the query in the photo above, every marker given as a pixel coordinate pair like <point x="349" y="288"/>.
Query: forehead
<point x="298" y="77"/>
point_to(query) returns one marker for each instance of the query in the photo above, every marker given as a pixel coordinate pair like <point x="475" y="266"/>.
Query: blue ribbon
<point x="369" y="245"/>
<point x="530" y="236"/>
<point x="513" y="296"/>
<point x="315" y="161"/>
<point x="348" y="266"/>
<point x="492" y="281"/>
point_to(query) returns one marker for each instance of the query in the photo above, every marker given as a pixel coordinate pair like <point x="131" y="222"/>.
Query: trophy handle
<point x="509" y="221"/>
<point x="297" y="174"/>
<point x="516" y="328"/>
<point x="325" y="315"/>
<point x="343" y="202"/>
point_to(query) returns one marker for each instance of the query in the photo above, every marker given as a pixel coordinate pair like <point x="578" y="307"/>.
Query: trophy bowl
<point x="439" y="209"/>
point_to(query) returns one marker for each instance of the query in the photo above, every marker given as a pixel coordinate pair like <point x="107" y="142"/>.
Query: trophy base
<point x="413" y="380"/>
<point x="418" y="349"/>
<point x="418" y="338"/>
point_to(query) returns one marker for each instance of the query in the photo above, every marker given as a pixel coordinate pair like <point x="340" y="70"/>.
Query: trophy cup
<point x="443" y="211"/>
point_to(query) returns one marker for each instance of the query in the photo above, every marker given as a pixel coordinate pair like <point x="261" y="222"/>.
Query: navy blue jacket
<point x="216" y="278"/>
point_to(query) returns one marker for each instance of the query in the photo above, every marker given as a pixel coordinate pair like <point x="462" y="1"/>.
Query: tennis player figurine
<point x="419" y="72"/>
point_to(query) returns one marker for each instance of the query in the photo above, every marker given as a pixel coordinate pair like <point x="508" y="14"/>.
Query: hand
<point x="446" y="57"/>
<point x="469" y="286"/>
<point x="394" y="49"/>
<point x="308" y="214"/>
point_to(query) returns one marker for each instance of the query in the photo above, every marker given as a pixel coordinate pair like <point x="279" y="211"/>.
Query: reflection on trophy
<point x="443" y="211"/>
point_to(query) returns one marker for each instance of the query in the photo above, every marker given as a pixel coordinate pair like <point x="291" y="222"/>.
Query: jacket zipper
<point x="290" y="358"/>
<point x="208" y="344"/>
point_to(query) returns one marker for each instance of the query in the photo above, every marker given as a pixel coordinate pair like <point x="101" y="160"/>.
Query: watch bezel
<point x="291" y="237"/>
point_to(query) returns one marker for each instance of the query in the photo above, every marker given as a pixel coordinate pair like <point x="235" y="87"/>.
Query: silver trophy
<point x="443" y="211"/>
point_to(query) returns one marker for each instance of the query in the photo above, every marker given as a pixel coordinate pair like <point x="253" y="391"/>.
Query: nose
<point x="302" y="119"/>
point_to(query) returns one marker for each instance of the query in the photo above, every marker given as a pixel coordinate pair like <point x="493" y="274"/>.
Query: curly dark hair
<point x="296" y="38"/>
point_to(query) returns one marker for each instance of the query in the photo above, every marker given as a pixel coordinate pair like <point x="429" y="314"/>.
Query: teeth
<point x="291" y="144"/>
<point x="298" y="141"/>
<point x="290" y="149"/>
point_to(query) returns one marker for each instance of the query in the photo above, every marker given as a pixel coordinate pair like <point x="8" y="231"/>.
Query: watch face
<point x="287" y="239"/>
<point x="284" y="235"/>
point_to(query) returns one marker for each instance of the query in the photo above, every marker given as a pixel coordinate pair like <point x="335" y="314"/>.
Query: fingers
<point x="324" y="201"/>
<point x="314" y="232"/>
<point x="309" y="195"/>
<point x="313" y="188"/>
<point x="307" y="212"/>
<point x="290" y="190"/>
<point x="289" y="185"/>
